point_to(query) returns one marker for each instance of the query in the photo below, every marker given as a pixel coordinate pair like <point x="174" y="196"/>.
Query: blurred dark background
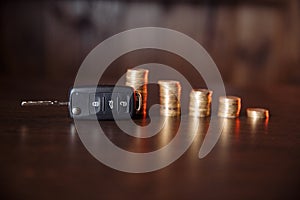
<point x="252" y="42"/>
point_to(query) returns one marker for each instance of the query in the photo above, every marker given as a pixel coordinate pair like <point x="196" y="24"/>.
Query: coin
<point x="257" y="113"/>
<point x="229" y="106"/>
<point x="138" y="80"/>
<point x="170" y="93"/>
<point x="200" y="102"/>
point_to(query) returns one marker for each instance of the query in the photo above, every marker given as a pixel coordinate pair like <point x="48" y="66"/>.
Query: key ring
<point x="139" y="100"/>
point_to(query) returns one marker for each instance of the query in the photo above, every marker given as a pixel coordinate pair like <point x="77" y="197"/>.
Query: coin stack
<point x="229" y="106"/>
<point x="169" y="92"/>
<point x="138" y="80"/>
<point x="200" y="103"/>
<point x="257" y="113"/>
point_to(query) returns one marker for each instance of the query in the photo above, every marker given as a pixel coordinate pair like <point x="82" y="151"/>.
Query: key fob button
<point x="95" y="103"/>
<point x="110" y="102"/>
<point x="123" y="103"/>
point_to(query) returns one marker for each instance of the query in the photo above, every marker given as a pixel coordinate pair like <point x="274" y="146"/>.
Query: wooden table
<point x="42" y="156"/>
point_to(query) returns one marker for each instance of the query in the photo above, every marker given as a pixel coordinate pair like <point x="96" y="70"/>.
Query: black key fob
<point x="103" y="102"/>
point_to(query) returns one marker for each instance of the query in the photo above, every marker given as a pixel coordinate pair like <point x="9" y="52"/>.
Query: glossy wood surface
<point x="42" y="156"/>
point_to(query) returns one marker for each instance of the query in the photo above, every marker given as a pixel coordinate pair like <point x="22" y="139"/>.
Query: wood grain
<point x="42" y="156"/>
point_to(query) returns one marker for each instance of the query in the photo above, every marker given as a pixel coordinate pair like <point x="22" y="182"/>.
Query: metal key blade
<point x="44" y="103"/>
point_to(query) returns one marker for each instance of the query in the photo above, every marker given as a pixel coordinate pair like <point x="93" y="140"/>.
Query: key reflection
<point x="24" y="132"/>
<point x="73" y="134"/>
<point x="179" y="132"/>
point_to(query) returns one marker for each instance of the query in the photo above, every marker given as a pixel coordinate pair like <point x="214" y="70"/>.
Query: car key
<point x="103" y="102"/>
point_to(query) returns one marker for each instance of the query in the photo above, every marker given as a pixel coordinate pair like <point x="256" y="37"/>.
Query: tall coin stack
<point x="169" y="92"/>
<point x="138" y="80"/>
<point x="200" y="103"/>
<point x="229" y="106"/>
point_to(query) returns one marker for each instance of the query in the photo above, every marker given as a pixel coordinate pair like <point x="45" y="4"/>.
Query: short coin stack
<point x="138" y="79"/>
<point x="229" y="106"/>
<point x="200" y="102"/>
<point x="170" y="92"/>
<point x="257" y="113"/>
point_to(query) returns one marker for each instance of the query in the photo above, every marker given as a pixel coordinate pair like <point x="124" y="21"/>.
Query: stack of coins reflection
<point x="170" y="92"/>
<point x="229" y="106"/>
<point x="257" y="113"/>
<point x="138" y="79"/>
<point x="200" y="103"/>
